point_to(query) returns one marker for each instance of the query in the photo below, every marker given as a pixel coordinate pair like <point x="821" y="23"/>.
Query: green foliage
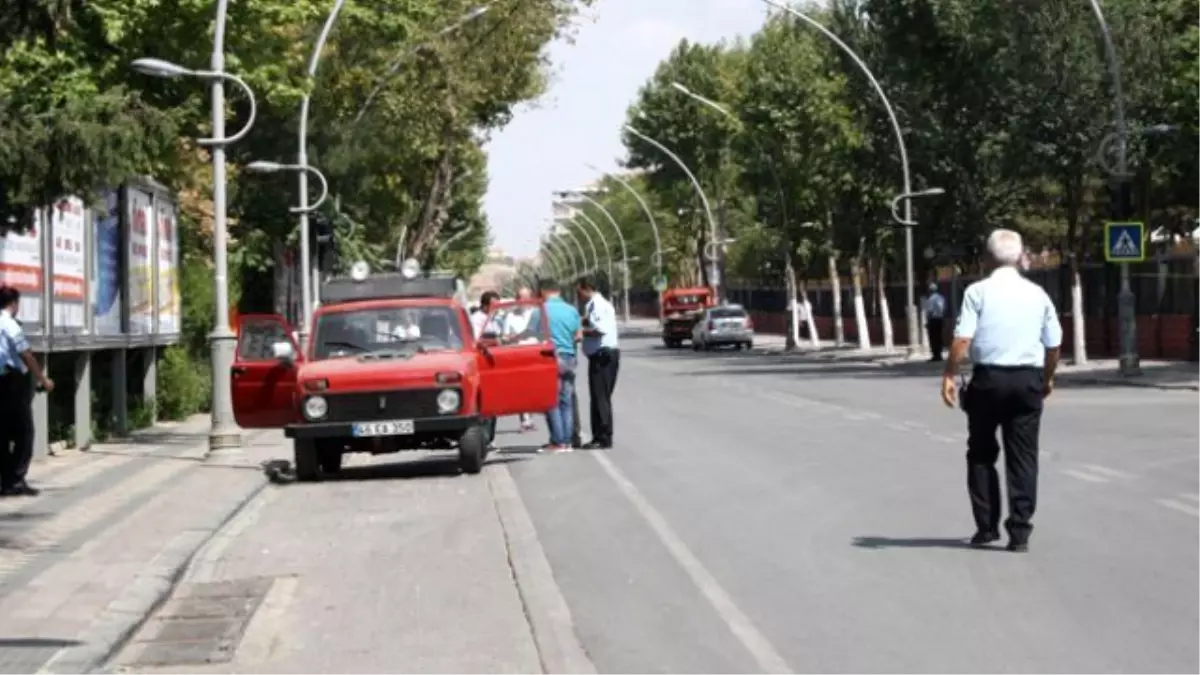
<point x="184" y="386"/>
<point x="1005" y="105"/>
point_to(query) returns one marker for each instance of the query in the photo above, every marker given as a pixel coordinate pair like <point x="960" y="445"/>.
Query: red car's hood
<point x="348" y="374"/>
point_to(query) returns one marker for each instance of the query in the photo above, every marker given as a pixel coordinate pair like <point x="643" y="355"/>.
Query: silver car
<point x="724" y="326"/>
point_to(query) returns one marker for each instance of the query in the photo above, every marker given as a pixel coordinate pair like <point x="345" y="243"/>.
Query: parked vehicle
<point x="682" y="308"/>
<point x="391" y="364"/>
<point x="725" y="326"/>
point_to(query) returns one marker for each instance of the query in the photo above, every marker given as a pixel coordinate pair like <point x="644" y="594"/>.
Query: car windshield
<point x="404" y="330"/>
<point x="728" y="313"/>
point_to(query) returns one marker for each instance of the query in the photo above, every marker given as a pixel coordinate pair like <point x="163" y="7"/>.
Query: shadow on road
<point x="36" y="643"/>
<point x="915" y="542"/>
<point x="426" y="467"/>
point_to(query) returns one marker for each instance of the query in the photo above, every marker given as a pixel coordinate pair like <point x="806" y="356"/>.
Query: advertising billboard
<point x="21" y="268"/>
<point x="140" y="263"/>
<point x="67" y="219"/>
<point x="166" y="290"/>
<point x="106" y="292"/>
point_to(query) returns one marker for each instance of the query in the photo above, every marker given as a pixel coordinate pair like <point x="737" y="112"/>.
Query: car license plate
<point x="389" y="428"/>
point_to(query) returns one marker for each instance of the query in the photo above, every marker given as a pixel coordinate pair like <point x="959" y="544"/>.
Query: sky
<point x="617" y="46"/>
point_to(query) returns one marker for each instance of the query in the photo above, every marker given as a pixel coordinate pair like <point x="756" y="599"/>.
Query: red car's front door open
<point x="518" y="370"/>
<point x="263" y="384"/>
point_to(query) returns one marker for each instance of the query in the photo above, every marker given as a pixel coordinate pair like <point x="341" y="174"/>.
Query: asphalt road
<point x="765" y="513"/>
<point x="759" y="513"/>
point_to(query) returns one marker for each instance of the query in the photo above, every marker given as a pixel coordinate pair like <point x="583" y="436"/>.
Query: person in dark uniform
<point x="1011" y="329"/>
<point x="601" y="345"/>
<point x="19" y="369"/>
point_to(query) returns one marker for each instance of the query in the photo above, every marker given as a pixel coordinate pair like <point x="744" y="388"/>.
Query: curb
<point x="1114" y="382"/>
<point x="123" y="617"/>
<point x="546" y="610"/>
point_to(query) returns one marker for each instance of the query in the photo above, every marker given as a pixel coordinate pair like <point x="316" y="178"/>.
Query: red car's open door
<point x="264" y="372"/>
<point x="518" y="370"/>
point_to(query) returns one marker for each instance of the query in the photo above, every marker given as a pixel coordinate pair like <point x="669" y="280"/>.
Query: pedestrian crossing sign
<point x="1124" y="242"/>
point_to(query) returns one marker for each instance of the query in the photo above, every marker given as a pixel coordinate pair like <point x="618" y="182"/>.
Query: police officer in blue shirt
<point x="1011" y="330"/>
<point x="17" y="363"/>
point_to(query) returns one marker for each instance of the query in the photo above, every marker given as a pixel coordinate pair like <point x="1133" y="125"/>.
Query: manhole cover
<point x="201" y="623"/>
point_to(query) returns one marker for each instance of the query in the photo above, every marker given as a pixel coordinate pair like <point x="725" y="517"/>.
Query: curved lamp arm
<point x="582" y="253"/>
<point x="887" y="104"/>
<point x="599" y="233"/>
<point x="658" y="252"/>
<point x="565" y="254"/>
<point x="324" y="190"/>
<point x="229" y="140"/>
<point x="908" y="197"/>
<point x="613" y="221"/>
<point x="712" y="223"/>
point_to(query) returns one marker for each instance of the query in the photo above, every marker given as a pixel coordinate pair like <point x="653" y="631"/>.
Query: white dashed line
<point x="1190" y="497"/>
<point x="1179" y="506"/>
<point x="1105" y="471"/>
<point x="768" y="659"/>
<point x="1084" y="476"/>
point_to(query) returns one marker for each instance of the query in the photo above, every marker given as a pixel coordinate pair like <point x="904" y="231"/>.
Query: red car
<point x="391" y="364"/>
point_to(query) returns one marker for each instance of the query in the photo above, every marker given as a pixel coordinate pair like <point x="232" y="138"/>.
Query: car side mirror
<point x="283" y="351"/>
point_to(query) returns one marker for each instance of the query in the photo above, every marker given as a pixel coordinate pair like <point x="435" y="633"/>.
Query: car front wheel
<point x="306" y="460"/>
<point x="472" y="449"/>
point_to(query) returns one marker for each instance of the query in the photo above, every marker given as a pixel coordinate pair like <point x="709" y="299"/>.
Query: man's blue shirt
<point x="564" y="325"/>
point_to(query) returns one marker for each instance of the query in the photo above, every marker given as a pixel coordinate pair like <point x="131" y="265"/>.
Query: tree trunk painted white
<point x="813" y="338"/>
<point x="793" y="329"/>
<point x="835" y="287"/>
<point x="860" y="306"/>
<point x="885" y="310"/>
<point x="1078" y="320"/>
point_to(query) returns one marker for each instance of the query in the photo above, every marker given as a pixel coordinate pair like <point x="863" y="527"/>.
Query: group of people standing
<point x="592" y="331"/>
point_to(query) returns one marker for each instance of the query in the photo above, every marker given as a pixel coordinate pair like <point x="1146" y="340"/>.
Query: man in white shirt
<point x="480" y="320"/>
<point x="602" y="348"/>
<point x="1009" y="327"/>
<point x="19" y="370"/>
<point x="934" y="306"/>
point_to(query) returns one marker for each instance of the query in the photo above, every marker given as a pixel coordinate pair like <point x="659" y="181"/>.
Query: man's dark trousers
<point x="602" y="380"/>
<point x="16" y="434"/>
<point x="934" y="330"/>
<point x="576" y="432"/>
<point x="1011" y="399"/>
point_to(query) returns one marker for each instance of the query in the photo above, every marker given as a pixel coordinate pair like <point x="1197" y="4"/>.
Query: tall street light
<point x="309" y="290"/>
<point x="603" y="242"/>
<point x="224" y="434"/>
<point x="1129" y="362"/>
<point x="907" y="221"/>
<point x="568" y="254"/>
<point x="624" y="248"/>
<point x="582" y="252"/>
<point x="714" y="273"/>
<point x="591" y="243"/>
<point x="656" y="258"/>
<point x="793" y="334"/>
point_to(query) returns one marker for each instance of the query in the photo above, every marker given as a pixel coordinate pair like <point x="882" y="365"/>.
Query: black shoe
<point x="598" y="445"/>
<point x="984" y="538"/>
<point x="1018" y="546"/>
<point x="21" y="489"/>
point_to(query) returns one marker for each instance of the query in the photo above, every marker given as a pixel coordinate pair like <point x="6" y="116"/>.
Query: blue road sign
<point x="1124" y="242"/>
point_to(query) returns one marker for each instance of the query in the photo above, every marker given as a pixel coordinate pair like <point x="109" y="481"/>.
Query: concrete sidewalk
<point x="85" y="562"/>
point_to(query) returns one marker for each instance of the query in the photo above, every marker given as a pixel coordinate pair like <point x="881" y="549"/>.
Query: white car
<point x="724" y="326"/>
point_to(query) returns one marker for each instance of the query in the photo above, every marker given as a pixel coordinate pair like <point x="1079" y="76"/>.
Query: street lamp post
<point x="714" y="271"/>
<point x="907" y="221"/>
<point x="567" y="254"/>
<point x="793" y="337"/>
<point x="657" y="259"/>
<point x="624" y="248"/>
<point x="224" y="434"/>
<point x="1129" y="362"/>
<point x="603" y="242"/>
<point x="308" y="289"/>
<point x="582" y="252"/>
<point x="592" y="245"/>
<point x="274" y="167"/>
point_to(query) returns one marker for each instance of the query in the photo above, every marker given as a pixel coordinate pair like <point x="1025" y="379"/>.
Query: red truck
<point x="681" y="309"/>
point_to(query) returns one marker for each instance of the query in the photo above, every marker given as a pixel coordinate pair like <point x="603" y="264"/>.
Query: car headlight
<point x="447" y="401"/>
<point x="315" y="407"/>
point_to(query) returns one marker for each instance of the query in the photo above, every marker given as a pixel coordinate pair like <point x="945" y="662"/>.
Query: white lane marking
<point x="1192" y="497"/>
<point x="1105" y="471"/>
<point x="1084" y="476"/>
<point x="768" y="659"/>
<point x="1179" y="506"/>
